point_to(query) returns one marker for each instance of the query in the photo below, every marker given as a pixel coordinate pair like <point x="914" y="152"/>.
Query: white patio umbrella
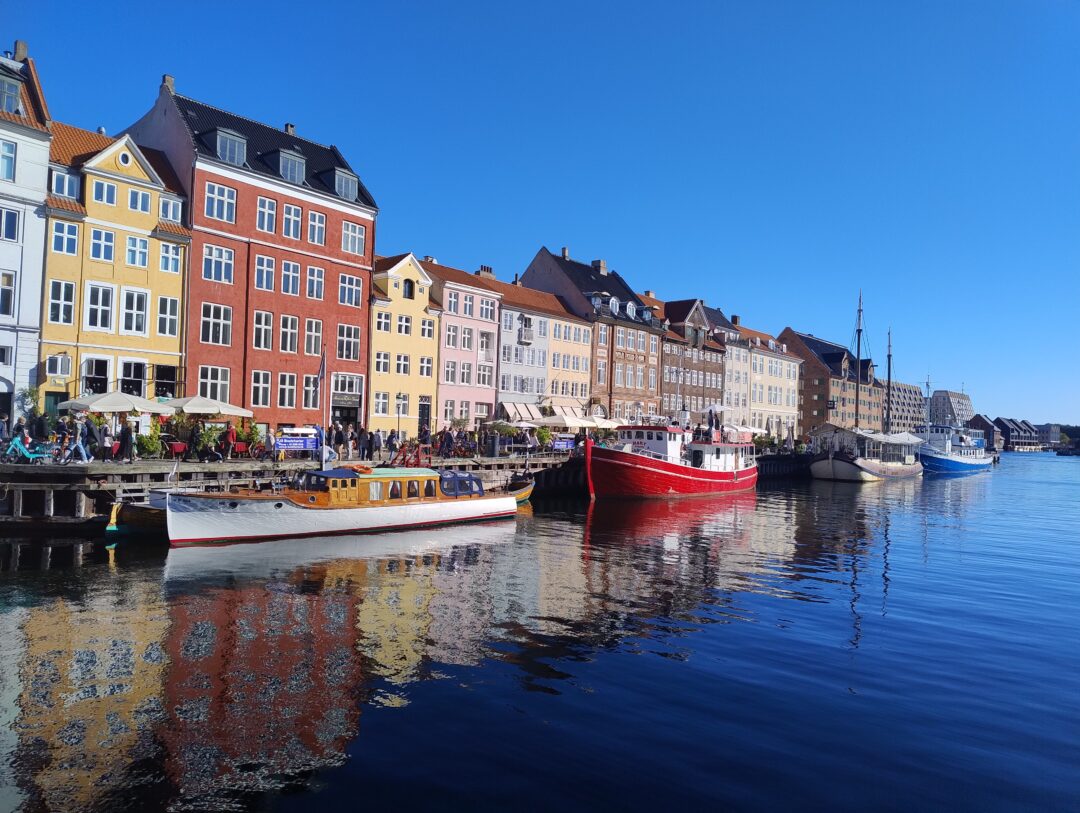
<point x="568" y="421"/>
<point x="110" y="403"/>
<point x="524" y="425"/>
<point x="604" y="423"/>
<point x="198" y="405"/>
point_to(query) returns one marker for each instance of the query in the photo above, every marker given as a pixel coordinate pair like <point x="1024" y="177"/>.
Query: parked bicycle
<point x="38" y="453"/>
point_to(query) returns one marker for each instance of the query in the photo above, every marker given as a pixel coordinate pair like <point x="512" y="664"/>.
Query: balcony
<point x="525" y="335"/>
<point x="486" y="356"/>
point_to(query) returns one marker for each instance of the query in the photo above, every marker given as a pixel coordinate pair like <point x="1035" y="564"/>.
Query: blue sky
<point x="770" y="157"/>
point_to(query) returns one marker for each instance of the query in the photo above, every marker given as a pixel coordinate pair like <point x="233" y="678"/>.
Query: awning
<point x="572" y="411"/>
<point x="521" y="412"/>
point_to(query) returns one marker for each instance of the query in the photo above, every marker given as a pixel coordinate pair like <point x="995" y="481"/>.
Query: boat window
<point x="648" y="436"/>
<point x="429" y="488"/>
<point x="333" y="484"/>
<point x="640" y="435"/>
<point x="413" y="489"/>
<point x="375" y="491"/>
<point x="395" y="490"/>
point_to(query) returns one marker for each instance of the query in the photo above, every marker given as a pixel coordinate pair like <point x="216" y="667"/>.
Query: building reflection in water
<point x="244" y="669"/>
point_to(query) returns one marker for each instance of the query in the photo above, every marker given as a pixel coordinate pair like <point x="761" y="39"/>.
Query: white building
<point x="24" y="172"/>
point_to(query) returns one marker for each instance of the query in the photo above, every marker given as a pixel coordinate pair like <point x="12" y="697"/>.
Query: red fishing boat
<point x="668" y="461"/>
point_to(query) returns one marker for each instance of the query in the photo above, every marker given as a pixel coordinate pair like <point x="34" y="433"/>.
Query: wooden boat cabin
<point x="347" y="488"/>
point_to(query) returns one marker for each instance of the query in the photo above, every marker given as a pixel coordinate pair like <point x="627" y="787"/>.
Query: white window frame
<point x="104" y="192"/>
<point x="292" y="221"/>
<point x="350" y="290"/>
<point x="168" y="312"/>
<point x="286" y="391"/>
<point x="220" y="202"/>
<point x="316" y="277"/>
<point x="316" y="233"/>
<point x="353" y="237"/>
<point x="348" y="340"/>
<point x="290" y="273"/>
<point x="65" y="303"/>
<point x="170" y="209"/>
<point x="222" y="318"/>
<point x="265" y="271"/>
<point x="88" y="307"/>
<point x="219" y="257"/>
<point x="312" y="337"/>
<point x="102" y="245"/>
<point x="383" y="321"/>
<point x="67" y="234"/>
<point x="266" y="215"/>
<point x="289" y="334"/>
<point x="170" y="257"/>
<point x="137" y="252"/>
<point x="262" y="330"/>
<point x="382" y="361"/>
<point x="260" y="388"/>
<point x="311" y="392"/>
<point x="216" y="386"/>
<point x="124" y="312"/>
<point x="139" y="200"/>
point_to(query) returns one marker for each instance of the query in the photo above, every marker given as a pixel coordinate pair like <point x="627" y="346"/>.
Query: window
<point x="601" y="335"/>
<point x="286" y="390"/>
<point x="618" y="374"/>
<point x="382" y="403"/>
<point x="352" y="238"/>
<point x="485" y="374"/>
<point x="451" y="335"/>
<point x="641" y="341"/>
<point x="426" y="364"/>
<point x="138" y="200"/>
<point x="403" y="364"/>
<point x="311" y="392"/>
<point x="487" y="309"/>
<point x="170" y="258"/>
<point x="264" y="273"/>
<point x="133" y="315"/>
<point x="349" y="290"/>
<point x="346" y="185"/>
<point x="7" y="171"/>
<point x="64" y="184"/>
<point x="101" y="245"/>
<point x="292" y="167"/>
<point x="348" y="342"/>
<point x="220" y="203"/>
<point x="65" y="236"/>
<point x="408" y="289"/>
<point x="58" y="365"/>
<point x="168" y="316"/>
<point x="7" y="293"/>
<point x="382" y="322"/>
<point x="451" y="302"/>
<point x="105" y="192"/>
<point x="401" y="403"/>
<point x="260" y="388"/>
<point x="232" y="149"/>
<point x="312" y="337"/>
<point x="467" y="305"/>
<point x="290" y="278"/>
<point x="542" y="327"/>
<point x="170" y="210"/>
<point x="266" y="215"/>
<point x="427" y="328"/>
<point x="138" y="252"/>
<point x="466" y="338"/>
<point x="290" y="333"/>
<point x="290" y="221"/>
<point x="133" y="377"/>
<point x="316" y="228"/>
<point x="449" y="372"/>
<point x="404" y="325"/>
<point x="96" y="374"/>
<point x="9" y="96"/>
<point x="382" y="362"/>
<point x="507" y="320"/>
<point x="217" y="264"/>
<point x="216" y="324"/>
<point x="466" y="373"/>
<point x="262" y="331"/>
<point x="315" y="279"/>
<point x="61" y="299"/>
<point x="99" y="304"/>
<point x="9" y="225"/>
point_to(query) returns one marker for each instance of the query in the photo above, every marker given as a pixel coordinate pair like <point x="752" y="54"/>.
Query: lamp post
<point x="399" y="400"/>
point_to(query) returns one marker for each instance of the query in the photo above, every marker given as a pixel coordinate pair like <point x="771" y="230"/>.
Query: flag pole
<point x="323" y="377"/>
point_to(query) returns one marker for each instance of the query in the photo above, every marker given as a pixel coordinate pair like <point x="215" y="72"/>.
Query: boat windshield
<point x="460" y="484"/>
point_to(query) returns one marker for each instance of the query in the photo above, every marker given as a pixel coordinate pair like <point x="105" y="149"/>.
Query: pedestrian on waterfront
<point x="127" y="445"/>
<point x="392" y="443"/>
<point x="228" y="440"/>
<point x="78" y="433"/>
<point x="268" y="444"/>
<point x="107" y="443"/>
<point x="338" y="439"/>
<point x="350" y="441"/>
<point x="193" y="440"/>
<point x="3" y="425"/>
<point x="362" y="444"/>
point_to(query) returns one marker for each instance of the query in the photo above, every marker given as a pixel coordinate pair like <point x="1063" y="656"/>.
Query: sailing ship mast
<point x="888" y="391"/>
<point x="858" y="361"/>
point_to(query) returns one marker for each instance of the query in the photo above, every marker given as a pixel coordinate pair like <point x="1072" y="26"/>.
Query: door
<point x="52" y="401"/>
<point x="425" y="413"/>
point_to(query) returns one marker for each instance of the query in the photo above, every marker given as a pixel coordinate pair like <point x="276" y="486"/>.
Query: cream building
<point x="775" y="375"/>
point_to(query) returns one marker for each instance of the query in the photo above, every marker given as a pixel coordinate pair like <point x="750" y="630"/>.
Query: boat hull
<point x="941" y="463"/>
<point x="615" y="473"/>
<point x="195" y="520"/>
<point x="845" y="468"/>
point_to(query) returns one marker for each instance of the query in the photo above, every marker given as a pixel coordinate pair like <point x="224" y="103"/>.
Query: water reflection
<point x="228" y="672"/>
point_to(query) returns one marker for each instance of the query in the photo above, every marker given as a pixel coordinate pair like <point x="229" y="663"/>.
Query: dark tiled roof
<point x="589" y="280"/>
<point x="262" y="141"/>
<point x="678" y="311"/>
<point x="832" y="355"/>
<point x="717" y="319"/>
<point x="164" y="169"/>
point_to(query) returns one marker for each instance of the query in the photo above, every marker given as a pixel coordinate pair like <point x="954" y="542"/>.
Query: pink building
<point x="468" y="345"/>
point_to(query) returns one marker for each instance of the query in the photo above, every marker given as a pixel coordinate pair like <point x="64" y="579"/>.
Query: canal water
<point x="819" y="646"/>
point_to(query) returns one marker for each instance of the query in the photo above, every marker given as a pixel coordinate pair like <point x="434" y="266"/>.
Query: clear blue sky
<point x="771" y="158"/>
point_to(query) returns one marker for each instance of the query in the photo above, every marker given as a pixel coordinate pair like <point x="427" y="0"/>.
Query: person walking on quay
<point x="78" y="433"/>
<point x="228" y="440"/>
<point x="362" y="444"/>
<point x="338" y="440"/>
<point x="392" y="443"/>
<point x="3" y="426"/>
<point x="193" y="440"/>
<point x="376" y="444"/>
<point x="350" y="442"/>
<point x="127" y="445"/>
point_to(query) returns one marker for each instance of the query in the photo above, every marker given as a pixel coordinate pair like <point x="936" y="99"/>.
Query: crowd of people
<point x="75" y="435"/>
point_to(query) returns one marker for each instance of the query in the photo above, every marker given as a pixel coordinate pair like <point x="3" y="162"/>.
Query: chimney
<point x="101" y="130"/>
<point x="735" y="319"/>
<point x="565" y="253"/>
<point x="517" y="280"/>
<point x="486" y="272"/>
<point x="21" y="51"/>
<point x="168" y="83"/>
<point x="650" y="294"/>
<point x="290" y="128"/>
<point x="601" y="266"/>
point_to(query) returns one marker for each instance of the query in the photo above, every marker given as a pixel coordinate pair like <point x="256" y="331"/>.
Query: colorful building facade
<point x="112" y="313"/>
<point x="282" y="245"/>
<point x="405" y="335"/>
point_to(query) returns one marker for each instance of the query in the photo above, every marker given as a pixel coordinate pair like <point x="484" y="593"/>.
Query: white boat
<point x="953" y="450"/>
<point x="861" y="456"/>
<point x="335" y="501"/>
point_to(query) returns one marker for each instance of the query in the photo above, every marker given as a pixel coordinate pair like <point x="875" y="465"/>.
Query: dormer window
<point x="597" y="302"/>
<point x="291" y="167"/>
<point x="170" y="209"/>
<point x="346" y="185"/>
<point x="631" y="310"/>
<point x="613" y="303"/>
<point x="231" y="148"/>
<point x="65" y="184"/>
<point x="10" y="98"/>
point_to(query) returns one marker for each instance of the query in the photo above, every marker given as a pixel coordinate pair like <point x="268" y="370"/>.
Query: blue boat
<point x="953" y="450"/>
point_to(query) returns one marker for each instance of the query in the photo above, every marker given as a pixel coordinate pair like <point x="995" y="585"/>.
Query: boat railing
<point x="676" y="460"/>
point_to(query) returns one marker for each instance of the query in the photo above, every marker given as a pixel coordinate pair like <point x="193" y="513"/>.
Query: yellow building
<point x="404" y="349"/>
<point x="569" y="349"/>
<point x="114" y="270"/>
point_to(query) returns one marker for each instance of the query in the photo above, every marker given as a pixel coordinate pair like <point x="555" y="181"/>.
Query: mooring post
<point x="16" y="503"/>
<point x="46" y="556"/>
<point x="49" y="502"/>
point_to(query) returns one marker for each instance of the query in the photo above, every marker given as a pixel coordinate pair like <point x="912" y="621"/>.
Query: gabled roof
<point x="717" y="319"/>
<point x="677" y="311"/>
<point x="263" y="141"/>
<point x="589" y="280"/>
<point x="832" y="355"/>
<point x="513" y="296"/>
<point x="74" y="147"/>
<point x="35" y="112"/>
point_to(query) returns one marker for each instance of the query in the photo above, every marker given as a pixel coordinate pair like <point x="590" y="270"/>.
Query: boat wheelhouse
<point x="665" y="461"/>
<point x="335" y="501"/>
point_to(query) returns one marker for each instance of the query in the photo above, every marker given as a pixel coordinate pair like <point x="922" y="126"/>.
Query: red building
<point x="283" y="235"/>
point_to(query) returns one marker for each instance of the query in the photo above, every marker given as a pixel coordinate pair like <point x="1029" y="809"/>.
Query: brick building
<point x="626" y="333"/>
<point x="991" y="432"/>
<point x="283" y="232"/>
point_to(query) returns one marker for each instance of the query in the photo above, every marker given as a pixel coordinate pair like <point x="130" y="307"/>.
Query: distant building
<point x="829" y="384"/>
<point x="1049" y="433"/>
<point x="990" y="430"/>
<point x="904" y="407"/>
<point x="951" y="408"/>
<point x="1017" y="435"/>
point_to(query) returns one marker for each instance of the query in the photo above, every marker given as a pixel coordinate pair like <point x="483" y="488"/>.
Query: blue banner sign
<point x="295" y="444"/>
